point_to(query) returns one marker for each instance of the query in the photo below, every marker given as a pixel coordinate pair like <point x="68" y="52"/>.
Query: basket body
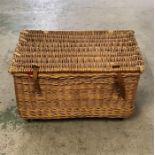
<point x="71" y="97"/>
<point x="69" y="74"/>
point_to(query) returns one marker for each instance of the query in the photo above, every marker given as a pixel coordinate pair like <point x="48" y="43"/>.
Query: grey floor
<point x="133" y="136"/>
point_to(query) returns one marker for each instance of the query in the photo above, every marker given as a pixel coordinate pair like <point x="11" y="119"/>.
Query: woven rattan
<point x="68" y="74"/>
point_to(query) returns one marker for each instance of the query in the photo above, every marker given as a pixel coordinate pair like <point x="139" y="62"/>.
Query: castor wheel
<point x="28" y="120"/>
<point x="120" y="119"/>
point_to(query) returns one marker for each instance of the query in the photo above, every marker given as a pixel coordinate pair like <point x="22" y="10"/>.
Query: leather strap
<point x="119" y="85"/>
<point x="36" y="86"/>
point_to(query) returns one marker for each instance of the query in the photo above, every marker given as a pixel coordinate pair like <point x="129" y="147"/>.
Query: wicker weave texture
<point x="69" y="74"/>
<point x="70" y="97"/>
<point x="95" y="51"/>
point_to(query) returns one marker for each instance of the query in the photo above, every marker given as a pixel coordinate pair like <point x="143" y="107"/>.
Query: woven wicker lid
<point x="77" y="51"/>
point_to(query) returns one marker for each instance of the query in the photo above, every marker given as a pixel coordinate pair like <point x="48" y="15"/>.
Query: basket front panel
<point x="75" y="97"/>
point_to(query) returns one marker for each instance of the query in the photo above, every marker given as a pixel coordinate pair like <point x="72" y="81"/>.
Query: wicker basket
<point x="68" y="74"/>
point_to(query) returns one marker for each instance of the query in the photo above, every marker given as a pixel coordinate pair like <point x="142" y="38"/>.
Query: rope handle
<point x="36" y="86"/>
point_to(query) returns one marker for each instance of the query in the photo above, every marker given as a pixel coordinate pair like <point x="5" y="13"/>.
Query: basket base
<point x="39" y="116"/>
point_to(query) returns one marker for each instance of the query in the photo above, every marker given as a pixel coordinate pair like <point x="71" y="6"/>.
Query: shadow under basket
<point x="76" y="74"/>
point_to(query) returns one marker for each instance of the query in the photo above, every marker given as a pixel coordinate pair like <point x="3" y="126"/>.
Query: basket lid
<point x="77" y="51"/>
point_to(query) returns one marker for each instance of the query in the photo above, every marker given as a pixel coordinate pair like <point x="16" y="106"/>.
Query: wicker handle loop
<point x="36" y="86"/>
<point x="119" y="85"/>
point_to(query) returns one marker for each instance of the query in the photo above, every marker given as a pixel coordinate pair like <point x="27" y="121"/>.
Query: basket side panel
<point x="75" y="97"/>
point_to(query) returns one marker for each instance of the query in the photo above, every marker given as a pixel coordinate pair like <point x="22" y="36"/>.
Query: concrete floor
<point x="133" y="136"/>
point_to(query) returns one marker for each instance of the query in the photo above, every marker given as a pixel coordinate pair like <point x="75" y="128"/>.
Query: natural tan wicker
<point x="68" y="74"/>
